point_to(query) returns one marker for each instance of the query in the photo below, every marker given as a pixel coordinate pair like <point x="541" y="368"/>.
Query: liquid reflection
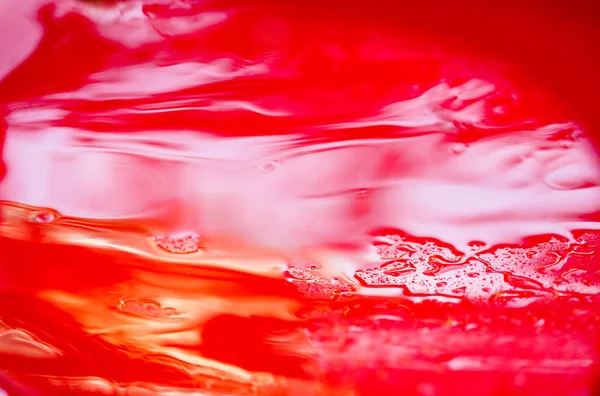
<point x="199" y="199"/>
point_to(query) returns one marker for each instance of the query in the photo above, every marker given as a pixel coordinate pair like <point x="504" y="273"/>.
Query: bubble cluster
<point x="178" y="243"/>
<point x="469" y="280"/>
<point x="145" y="308"/>
<point x="555" y="264"/>
<point x="507" y="275"/>
<point x="311" y="284"/>
<point x="425" y="256"/>
<point x="428" y="268"/>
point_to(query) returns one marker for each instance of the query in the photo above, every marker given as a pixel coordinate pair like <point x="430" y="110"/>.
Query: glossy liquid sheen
<point x="207" y="199"/>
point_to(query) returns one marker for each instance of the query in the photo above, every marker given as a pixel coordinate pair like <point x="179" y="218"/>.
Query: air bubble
<point x="147" y="308"/>
<point x="44" y="217"/>
<point x="179" y="244"/>
<point x="476" y="245"/>
<point x="571" y="177"/>
<point x="152" y="309"/>
<point x="576" y="135"/>
<point x="459" y="290"/>
<point x="363" y="192"/>
<point x="458" y="148"/>
<point x="312" y="285"/>
<point x="269" y="166"/>
<point x="499" y="110"/>
<point x="426" y="389"/>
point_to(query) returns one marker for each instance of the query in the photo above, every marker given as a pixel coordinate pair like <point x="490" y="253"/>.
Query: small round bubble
<point x="458" y="148"/>
<point x="44" y="217"/>
<point x="269" y="166"/>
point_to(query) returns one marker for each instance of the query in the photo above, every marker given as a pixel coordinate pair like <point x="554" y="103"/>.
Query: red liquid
<point x="215" y="198"/>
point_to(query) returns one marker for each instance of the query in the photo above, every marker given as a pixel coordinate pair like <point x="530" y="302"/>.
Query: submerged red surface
<point x="227" y="197"/>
